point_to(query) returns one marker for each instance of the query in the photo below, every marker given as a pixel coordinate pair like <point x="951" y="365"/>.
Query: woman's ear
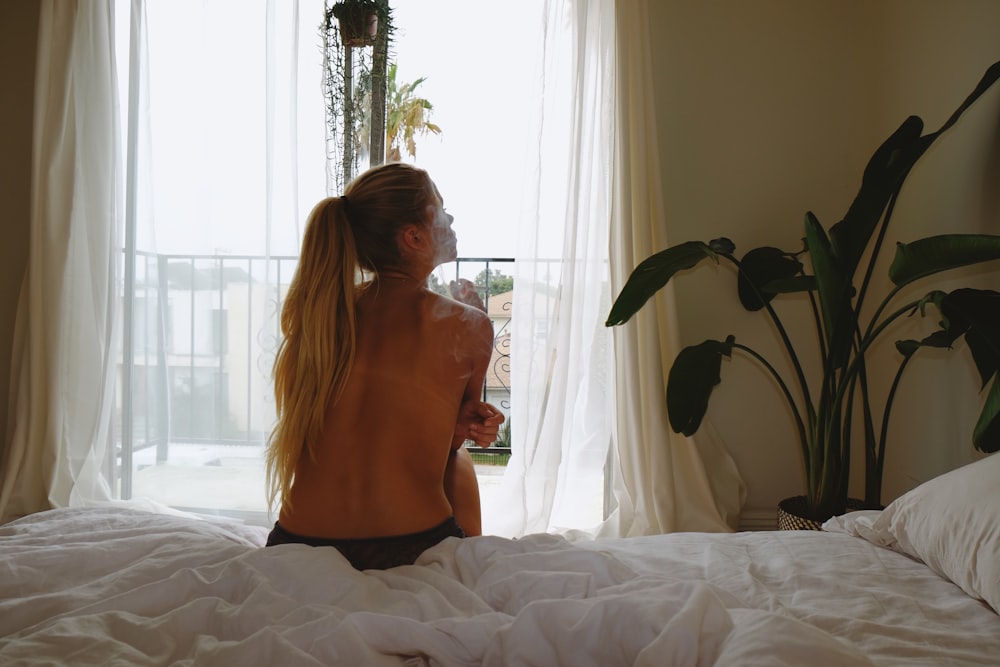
<point x="413" y="237"/>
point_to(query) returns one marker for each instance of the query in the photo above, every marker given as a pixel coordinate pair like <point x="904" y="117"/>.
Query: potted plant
<point x="825" y="407"/>
<point x="348" y="24"/>
<point x="358" y="21"/>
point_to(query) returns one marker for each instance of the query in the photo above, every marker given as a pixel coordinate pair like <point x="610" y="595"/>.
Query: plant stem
<point x="874" y="331"/>
<point x="788" y="347"/>
<point x="819" y="324"/>
<point x="873" y="484"/>
<point x="833" y="419"/>
<point x="862" y="380"/>
<point x="866" y="342"/>
<point x="883" y="228"/>
<point x="800" y="425"/>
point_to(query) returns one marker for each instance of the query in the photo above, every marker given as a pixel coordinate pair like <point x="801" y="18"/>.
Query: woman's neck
<point x="401" y="276"/>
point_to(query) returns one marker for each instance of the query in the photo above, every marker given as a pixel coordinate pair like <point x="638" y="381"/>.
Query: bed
<point x="915" y="584"/>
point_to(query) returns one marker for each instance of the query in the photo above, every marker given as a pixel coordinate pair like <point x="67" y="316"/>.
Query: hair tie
<point x="346" y="203"/>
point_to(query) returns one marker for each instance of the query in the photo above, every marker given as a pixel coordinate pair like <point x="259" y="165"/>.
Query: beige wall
<point x="18" y="31"/>
<point x="931" y="59"/>
<point x="770" y="109"/>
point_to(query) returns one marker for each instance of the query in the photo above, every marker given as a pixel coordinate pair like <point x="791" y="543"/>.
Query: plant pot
<point x="791" y="513"/>
<point x="358" y="28"/>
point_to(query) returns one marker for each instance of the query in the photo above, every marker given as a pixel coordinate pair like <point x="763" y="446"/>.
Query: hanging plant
<point x="346" y="66"/>
<point x="358" y="21"/>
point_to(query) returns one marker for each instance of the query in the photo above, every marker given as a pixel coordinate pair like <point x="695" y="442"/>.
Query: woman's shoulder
<point x="440" y="306"/>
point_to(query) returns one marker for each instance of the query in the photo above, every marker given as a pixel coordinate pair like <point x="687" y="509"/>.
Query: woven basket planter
<point x="791" y="513"/>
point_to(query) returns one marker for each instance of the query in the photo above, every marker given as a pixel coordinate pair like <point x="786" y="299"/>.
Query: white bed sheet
<point x="110" y="586"/>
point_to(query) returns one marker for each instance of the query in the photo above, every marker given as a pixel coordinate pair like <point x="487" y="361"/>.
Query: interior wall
<point x="18" y="37"/>
<point x="932" y="55"/>
<point x="771" y="109"/>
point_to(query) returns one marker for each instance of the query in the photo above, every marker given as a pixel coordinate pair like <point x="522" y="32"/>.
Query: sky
<point x="478" y="72"/>
<point x="206" y="90"/>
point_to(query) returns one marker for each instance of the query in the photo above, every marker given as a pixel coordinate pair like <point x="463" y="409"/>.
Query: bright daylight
<point x="201" y="403"/>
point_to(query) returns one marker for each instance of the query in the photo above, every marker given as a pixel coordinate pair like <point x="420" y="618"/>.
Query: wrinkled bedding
<point x="102" y="586"/>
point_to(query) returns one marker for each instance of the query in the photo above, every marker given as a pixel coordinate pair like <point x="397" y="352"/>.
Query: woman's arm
<point x="461" y="487"/>
<point x="477" y="421"/>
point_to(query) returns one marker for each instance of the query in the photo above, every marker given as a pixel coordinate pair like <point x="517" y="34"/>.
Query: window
<point x="227" y="133"/>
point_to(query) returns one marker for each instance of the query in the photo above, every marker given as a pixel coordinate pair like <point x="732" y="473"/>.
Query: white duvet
<point x="123" y="587"/>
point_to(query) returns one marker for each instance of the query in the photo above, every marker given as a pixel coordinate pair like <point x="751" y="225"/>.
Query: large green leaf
<point x="835" y="292"/>
<point x="883" y="177"/>
<point x="933" y="254"/>
<point x="972" y="313"/>
<point x="986" y="434"/>
<point x="976" y="314"/>
<point x="885" y="173"/>
<point x="696" y="371"/>
<point x="791" y="285"/>
<point x="990" y="76"/>
<point x="943" y="338"/>
<point x="653" y="273"/>
<point x="759" y="268"/>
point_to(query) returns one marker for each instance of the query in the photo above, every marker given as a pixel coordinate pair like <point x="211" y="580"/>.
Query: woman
<point x="378" y="380"/>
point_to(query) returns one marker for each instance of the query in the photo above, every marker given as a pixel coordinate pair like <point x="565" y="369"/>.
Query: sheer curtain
<point x="228" y="137"/>
<point x="595" y="204"/>
<point x="225" y="151"/>
<point x="561" y="389"/>
<point x="63" y="360"/>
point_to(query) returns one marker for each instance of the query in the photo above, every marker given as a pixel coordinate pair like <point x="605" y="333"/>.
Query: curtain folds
<point x="561" y="386"/>
<point x="578" y="387"/>
<point x="63" y="361"/>
<point x="225" y="149"/>
<point x="665" y="482"/>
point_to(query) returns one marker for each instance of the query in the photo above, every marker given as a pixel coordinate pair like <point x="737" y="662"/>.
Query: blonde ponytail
<point x="315" y="356"/>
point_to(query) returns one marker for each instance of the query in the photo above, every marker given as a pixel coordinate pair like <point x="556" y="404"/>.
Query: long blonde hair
<point x="345" y="238"/>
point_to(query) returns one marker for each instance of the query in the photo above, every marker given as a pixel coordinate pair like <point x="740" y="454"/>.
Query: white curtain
<point x="561" y="389"/>
<point x="224" y="131"/>
<point x="594" y="211"/>
<point x="665" y="482"/>
<point x="227" y="129"/>
<point x="63" y="360"/>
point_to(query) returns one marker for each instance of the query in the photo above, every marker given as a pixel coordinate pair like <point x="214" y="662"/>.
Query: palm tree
<point x="407" y="116"/>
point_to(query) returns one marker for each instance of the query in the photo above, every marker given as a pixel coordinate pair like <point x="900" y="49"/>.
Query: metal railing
<point x="204" y="331"/>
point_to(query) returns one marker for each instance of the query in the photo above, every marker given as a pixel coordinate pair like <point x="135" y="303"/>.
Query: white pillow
<point x="952" y="524"/>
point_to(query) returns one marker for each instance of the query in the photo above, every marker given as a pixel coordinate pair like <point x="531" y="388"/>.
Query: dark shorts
<point x="375" y="553"/>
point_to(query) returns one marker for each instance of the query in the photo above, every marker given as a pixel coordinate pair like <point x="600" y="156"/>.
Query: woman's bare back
<point x="379" y="465"/>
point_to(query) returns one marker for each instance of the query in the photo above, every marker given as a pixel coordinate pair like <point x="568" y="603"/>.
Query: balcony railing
<point x="196" y="369"/>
